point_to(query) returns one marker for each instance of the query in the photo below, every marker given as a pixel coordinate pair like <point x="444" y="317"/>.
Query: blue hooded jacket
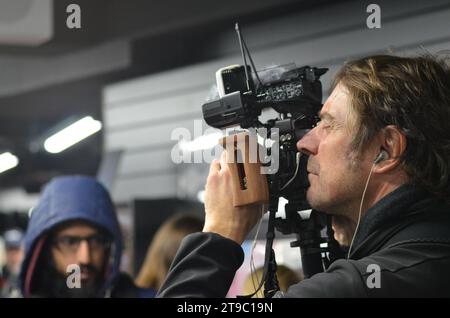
<point x="71" y="198"/>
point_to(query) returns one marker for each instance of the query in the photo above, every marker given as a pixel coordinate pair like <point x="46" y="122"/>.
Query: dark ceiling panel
<point x="163" y="35"/>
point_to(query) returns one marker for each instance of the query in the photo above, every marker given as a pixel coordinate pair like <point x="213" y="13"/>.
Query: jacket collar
<point x="392" y="207"/>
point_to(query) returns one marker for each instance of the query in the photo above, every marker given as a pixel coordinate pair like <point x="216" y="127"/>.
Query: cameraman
<point x="380" y="156"/>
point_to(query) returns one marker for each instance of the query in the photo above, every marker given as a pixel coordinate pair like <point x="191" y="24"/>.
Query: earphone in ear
<point x="383" y="155"/>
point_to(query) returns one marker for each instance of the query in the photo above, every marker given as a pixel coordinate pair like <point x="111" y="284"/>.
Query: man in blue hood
<point x="73" y="244"/>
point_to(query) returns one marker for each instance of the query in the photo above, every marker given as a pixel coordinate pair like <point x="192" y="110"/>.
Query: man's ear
<point x="393" y="142"/>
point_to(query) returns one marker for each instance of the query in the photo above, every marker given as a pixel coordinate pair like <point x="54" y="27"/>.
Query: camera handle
<point x="249" y="186"/>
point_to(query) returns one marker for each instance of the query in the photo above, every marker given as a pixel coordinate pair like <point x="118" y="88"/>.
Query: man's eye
<point x="323" y="124"/>
<point x="97" y="240"/>
<point x="69" y="240"/>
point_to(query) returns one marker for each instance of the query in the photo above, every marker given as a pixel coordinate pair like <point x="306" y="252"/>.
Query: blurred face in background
<point x="84" y="245"/>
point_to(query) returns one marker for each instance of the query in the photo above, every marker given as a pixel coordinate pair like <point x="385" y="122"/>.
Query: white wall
<point x="140" y="114"/>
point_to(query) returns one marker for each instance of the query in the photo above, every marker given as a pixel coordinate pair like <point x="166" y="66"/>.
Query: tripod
<point x="308" y="231"/>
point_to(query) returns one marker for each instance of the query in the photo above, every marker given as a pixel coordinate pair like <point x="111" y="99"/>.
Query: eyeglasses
<point x="70" y="243"/>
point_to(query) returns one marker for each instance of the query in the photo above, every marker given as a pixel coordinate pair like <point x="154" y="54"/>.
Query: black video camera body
<point x="294" y="93"/>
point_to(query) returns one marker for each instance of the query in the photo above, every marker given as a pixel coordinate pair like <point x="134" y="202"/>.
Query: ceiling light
<point x="72" y="134"/>
<point x="8" y="161"/>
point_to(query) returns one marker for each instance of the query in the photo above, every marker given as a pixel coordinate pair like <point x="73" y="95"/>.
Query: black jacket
<point x="402" y="249"/>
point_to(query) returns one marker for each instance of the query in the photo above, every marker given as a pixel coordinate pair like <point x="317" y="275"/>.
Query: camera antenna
<point x="243" y="46"/>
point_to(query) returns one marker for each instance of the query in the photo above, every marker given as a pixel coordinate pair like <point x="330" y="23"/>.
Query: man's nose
<point x="309" y="144"/>
<point x="83" y="253"/>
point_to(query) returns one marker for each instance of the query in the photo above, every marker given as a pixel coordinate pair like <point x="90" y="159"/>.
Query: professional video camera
<point x="295" y="93"/>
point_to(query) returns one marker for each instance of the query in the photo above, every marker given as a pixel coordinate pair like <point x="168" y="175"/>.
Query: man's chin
<point x="316" y="203"/>
<point x="312" y="199"/>
<point x="89" y="289"/>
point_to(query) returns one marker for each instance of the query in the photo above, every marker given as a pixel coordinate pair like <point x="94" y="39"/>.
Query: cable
<point x="252" y="263"/>
<point x="360" y="209"/>
<point x="297" y="160"/>
<point x="269" y="243"/>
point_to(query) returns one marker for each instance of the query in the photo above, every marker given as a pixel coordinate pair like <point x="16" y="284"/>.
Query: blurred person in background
<point x="285" y="275"/>
<point x="14" y="252"/>
<point x="74" y="236"/>
<point x="163" y="248"/>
